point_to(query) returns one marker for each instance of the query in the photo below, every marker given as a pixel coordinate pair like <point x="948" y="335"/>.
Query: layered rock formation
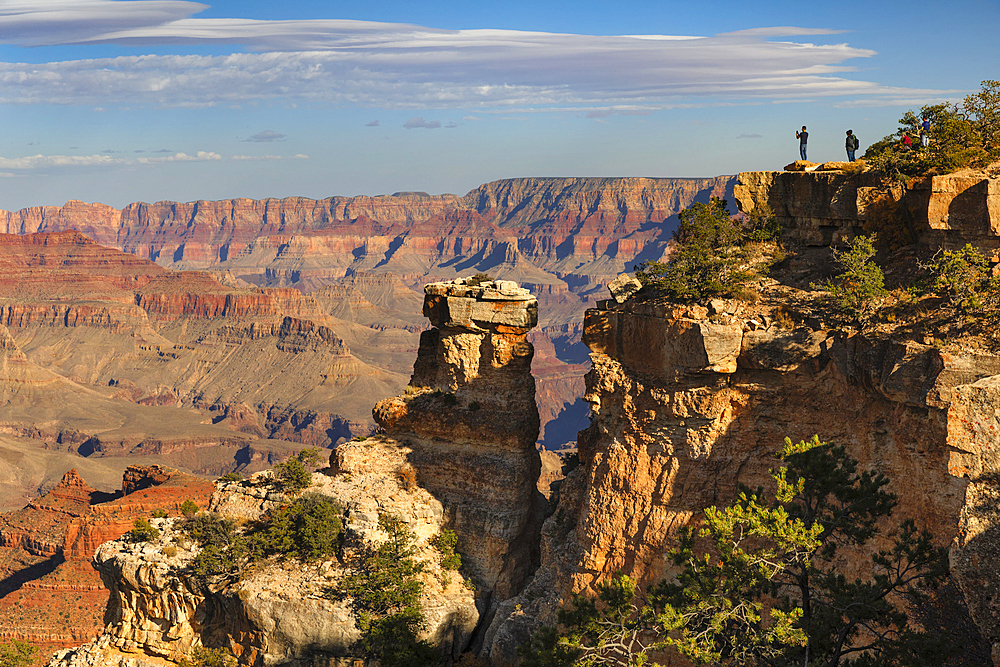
<point x="564" y="238"/>
<point x="51" y="596"/>
<point x="104" y="354"/>
<point x="470" y="421"/>
<point x="819" y="208"/>
<point x="276" y="614"/>
<point x="687" y="406"/>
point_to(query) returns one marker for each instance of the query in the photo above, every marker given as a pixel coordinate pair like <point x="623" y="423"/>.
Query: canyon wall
<point x="688" y="405"/>
<point x="563" y="238"/>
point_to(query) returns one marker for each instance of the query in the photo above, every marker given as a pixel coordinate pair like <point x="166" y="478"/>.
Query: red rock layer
<point x="52" y="596"/>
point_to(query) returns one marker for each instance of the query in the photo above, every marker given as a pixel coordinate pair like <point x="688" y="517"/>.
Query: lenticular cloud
<point x="343" y="62"/>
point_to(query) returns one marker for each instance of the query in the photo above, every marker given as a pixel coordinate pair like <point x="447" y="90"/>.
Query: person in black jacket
<point x="803" y="137"/>
<point x="851" y="145"/>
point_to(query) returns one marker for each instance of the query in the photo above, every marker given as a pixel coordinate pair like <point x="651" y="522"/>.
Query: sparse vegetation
<point x="710" y="256"/>
<point x="860" y="288"/>
<point x="17" y="653"/>
<point x="189" y="508"/>
<point x="384" y="589"/>
<point x="964" y="278"/>
<point x="445" y="542"/>
<point x="767" y="589"/>
<point x="308" y="529"/>
<point x="143" y="531"/>
<point x="159" y="514"/>
<point x="407" y="476"/>
<point x="478" y="279"/>
<point x="963" y="135"/>
<point x="232" y="477"/>
<point x="209" y="657"/>
<point x="294" y="474"/>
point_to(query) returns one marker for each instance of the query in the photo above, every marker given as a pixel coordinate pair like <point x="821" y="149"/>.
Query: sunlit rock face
<point x="470" y="419"/>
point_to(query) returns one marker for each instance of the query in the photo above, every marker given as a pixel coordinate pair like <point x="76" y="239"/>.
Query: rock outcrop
<point x="686" y="407"/>
<point x="470" y="421"/>
<point x="820" y="208"/>
<point x="51" y="596"/>
<point x="279" y="613"/>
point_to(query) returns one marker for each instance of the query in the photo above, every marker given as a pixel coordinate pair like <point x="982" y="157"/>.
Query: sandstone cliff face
<point x="470" y="419"/>
<point x="686" y="407"/>
<point x="275" y="614"/>
<point x="819" y="208"/>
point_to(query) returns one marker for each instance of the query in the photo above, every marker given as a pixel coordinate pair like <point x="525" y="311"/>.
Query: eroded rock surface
<point x="276" y="613"/>
<point x="672" y="434"/>
<point x="470" y="420"/>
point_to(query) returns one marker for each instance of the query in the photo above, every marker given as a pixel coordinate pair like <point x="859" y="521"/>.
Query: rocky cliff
<point x="278" y="613"/>
<point x="470" y="420"/>
<point x="563" y="238"/>
<point x="819" y="208"/>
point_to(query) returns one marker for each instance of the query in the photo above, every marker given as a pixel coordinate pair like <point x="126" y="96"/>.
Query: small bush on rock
<point x="232" y="477"/>
<point x="189" y="508"/>
<point x="445" y="542"/>
<point x="293" y="474"/>
<point x="860" y="288"/>
<point x="17" y="653"/>
<point x="143" y="531"/>
<point x="308" y="529"/>
<point x="964" y="278"/>
<point x="209" y="657"/>
<point x="385" y="591"/>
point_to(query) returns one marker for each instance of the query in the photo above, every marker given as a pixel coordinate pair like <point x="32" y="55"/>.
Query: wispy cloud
<point x="200" y="156"/>
<point x="267" y="136"/>
<point x="298" y="156"/>
<point x="43" y="161"/>
<point x="50" y="161"/>
<point x="370" y="64"/>
<point x="373" y="123"/>
<point x="418" y="121"/>
<point x="750" y="136"/>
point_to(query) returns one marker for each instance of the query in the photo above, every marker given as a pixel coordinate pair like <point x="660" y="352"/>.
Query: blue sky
<point x="145" y="100"/>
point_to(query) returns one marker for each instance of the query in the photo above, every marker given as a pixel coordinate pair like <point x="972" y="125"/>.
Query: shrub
<point x="860" y="288"/>
<point x="761" y="224"/>
<point x="408" y="476"/>
<point x="189" y="508"/>
<point x="232" y="477"/>
<point x="445" y="542"/>
<point x="159" y="514"/>
<point x="17" y="653"/>
<point x="308" y="529"/>
<point x="964" y="278"/>
<point x="210" y="529"/>
<point x="385" y="591"/>
<point x="478" y="279"/>
<point x="143" y="531"/>
<point x="294" y="475"/>
<point x="474" y="406"/>
<point x="707" y="260"/>
<point x="209" y="657"/>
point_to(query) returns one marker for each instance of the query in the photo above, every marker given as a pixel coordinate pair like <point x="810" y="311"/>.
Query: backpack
<point x="856" y="143"/>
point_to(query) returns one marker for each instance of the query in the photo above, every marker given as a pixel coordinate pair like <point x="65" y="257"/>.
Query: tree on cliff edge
<point x="765" y="589"/>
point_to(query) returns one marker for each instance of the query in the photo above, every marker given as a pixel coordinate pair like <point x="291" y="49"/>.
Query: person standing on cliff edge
<point x="803" y="137"/>
<point x="852" y="145"/>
